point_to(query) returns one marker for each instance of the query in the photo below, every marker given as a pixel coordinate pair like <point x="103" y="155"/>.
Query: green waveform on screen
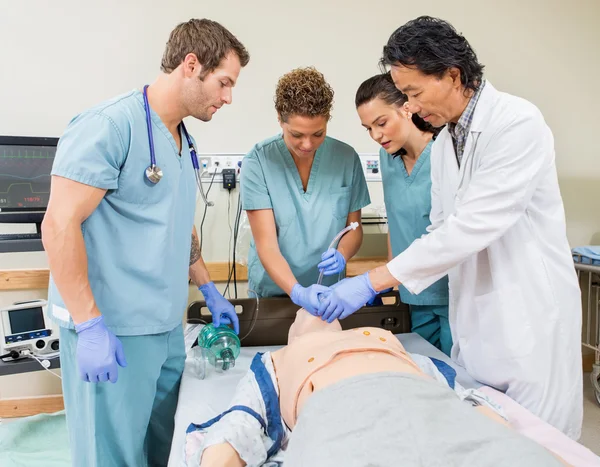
<point x="14" y="153"/>
<point x="30" y="188"/>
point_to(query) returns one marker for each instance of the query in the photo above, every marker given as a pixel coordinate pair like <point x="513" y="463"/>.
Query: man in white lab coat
<point x="497" y="229"/>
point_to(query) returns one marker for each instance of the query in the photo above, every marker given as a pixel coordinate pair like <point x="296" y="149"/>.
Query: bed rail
<point x="589" y="280"/>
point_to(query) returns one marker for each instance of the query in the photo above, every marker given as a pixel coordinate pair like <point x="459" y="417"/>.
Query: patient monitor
<point x="25" y="326"/>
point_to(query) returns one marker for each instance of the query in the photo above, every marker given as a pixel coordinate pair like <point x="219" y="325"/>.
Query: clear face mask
<point x="217" y="349"/>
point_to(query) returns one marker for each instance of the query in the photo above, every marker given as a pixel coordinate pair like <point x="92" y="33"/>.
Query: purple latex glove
<point x="376" y="300"/>
<point x="98" y="352"/>
<point x="332" y="262"/>
<point x="346" y="297"/>
<point x="220" y="308"/>
<point x="308" y="297"/>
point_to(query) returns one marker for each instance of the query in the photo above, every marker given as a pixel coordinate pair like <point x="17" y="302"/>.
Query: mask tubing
<point x="352" y="226"/>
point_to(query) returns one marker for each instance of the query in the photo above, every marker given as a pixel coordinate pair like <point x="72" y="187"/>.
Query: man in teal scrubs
<point x="120" y="250"/>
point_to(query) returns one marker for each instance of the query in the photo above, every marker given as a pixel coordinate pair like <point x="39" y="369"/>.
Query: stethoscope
<point x="153" y="172"/>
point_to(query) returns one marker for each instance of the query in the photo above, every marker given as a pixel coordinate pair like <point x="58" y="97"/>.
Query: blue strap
<point x="275" y="429"/>
<point x="212" y="421"/>
<point x="149" y="125"/>
<point x="446" y="370"/>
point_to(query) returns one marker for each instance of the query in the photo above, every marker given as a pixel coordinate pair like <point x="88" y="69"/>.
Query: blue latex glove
<point x="220" y="308"/>
<point x="98" y="352"/>
<point x="308" y="297"/>
<point x="376" y="300"/>
<point x="332" y="262"/>
<point x="346" y="297"/>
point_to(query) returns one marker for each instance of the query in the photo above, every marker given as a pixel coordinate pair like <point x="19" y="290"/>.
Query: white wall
<point x="59" y="57"/>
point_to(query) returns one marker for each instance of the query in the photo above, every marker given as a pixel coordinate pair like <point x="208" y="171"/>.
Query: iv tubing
<point x="352" y="226"/>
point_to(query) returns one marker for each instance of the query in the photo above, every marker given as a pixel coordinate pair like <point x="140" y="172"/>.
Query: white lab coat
<point x="498" y="231"/>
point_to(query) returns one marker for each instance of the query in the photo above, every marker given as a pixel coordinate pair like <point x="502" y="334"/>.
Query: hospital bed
<point x="264" y="326"/>
<point x="589" y="278"/>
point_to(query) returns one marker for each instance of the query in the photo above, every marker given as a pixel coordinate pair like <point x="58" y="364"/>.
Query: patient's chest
<point x="319" y="359"/>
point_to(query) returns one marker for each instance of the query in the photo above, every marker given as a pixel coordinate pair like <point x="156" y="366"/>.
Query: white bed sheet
<point x="201" y="400"/>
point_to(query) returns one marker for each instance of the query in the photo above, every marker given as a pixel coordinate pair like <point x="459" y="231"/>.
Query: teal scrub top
<point x="138" y="239"/>
<point x="408" y="204"/>
<point x="306" y="222"/>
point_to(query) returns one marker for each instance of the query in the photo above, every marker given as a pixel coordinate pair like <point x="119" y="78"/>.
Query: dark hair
<point x="208" y="40"/>
<point x="382" y="87"/>
<point x="433" y="46"/>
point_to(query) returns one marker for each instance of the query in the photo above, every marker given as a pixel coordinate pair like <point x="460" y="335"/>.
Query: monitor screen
<point x="25" y="166"/>
<point x="26" y="319"/>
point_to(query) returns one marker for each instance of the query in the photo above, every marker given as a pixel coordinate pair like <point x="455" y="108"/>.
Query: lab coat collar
<point x="481" y="117"/>
<point x="487" y="99"/>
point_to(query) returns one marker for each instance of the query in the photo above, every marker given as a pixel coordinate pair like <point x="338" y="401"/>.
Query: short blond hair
<point x="304" y="92"/>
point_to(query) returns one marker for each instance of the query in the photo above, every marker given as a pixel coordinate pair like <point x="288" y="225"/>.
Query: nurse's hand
<point x="308" y="297"/>
<point x="220" y="308"/>
<point x="98" y="352"/>
<point x="346" y="297"/>
<point x="332" y="262"/>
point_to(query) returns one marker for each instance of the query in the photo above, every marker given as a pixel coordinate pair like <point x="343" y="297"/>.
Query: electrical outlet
<point x="209" y="166"/>
<point x="371" y="167"/>
<point x="214" y="164"/>
<point x="205" y="163"/>
<point x="216" y="167"/>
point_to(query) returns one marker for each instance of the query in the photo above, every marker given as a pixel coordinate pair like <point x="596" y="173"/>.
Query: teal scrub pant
<point x="431" y="323"/>
<point x="129" y="423"/>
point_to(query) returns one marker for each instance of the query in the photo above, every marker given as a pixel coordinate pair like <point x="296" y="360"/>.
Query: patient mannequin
<point x="320" y="355"/>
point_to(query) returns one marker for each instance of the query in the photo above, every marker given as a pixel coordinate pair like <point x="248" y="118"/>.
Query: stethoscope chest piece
<point x="154" y="174"/>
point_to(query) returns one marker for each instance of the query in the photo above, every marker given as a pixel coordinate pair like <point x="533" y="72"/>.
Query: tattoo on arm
<point x="195" y="251"/>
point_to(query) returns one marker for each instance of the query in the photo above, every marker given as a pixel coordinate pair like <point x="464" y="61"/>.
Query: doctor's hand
<point x="98" y="352"/>
<point x="332" y="262"/>
<point x="376" y="300"/>
<point x="308" y="297"/>
<point x="346" y="297"/>
<point x="220" y="308"/>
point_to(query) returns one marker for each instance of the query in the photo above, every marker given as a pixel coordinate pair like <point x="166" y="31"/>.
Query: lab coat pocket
<point x="340" y="201"/>
<point x="505" y="330"/>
